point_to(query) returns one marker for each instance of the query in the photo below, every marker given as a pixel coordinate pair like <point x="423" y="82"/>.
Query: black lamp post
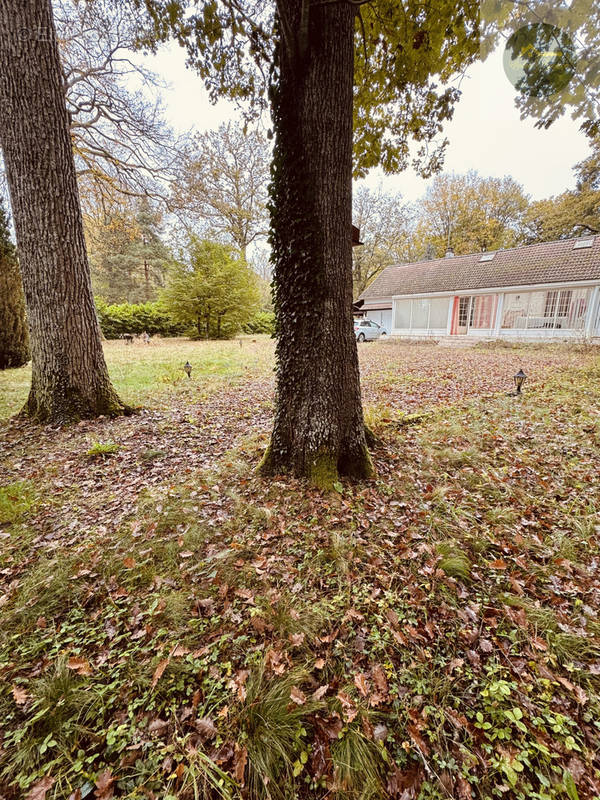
<point x="520" y="379"/>
<point x="187" y="367"/>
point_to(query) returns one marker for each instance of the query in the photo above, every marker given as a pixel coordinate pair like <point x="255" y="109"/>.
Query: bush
<point x="115" y="320"/>
<point x="261" y="322"/>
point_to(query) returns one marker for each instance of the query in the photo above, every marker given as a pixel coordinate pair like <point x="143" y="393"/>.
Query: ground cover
<point x="172" y="626"/>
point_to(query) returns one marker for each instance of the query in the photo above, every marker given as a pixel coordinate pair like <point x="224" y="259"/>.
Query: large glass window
<point x="515" y="311"/>
<point x="563" y="309"/>
<point x="438" y="314"/>
<point x="402" y="314"/>
<point x="572" y="314"/>
<point x="420" y="315"/>
<point x="484" y="311"/>
<point x="542" y="309"/>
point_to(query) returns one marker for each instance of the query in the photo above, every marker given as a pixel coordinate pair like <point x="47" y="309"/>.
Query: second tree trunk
<point x="69" y="375"/>
<point x="319" y="431"/>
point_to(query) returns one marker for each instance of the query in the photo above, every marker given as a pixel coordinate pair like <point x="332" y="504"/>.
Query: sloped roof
<point x="548" y="262"/>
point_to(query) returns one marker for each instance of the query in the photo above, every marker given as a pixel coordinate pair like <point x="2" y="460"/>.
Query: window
<point x="563" y="309"/>
<point x="402" y="314"/>
<point x="438" y="313"/>
<point x="483" y="315"/>
<point x="464" y="307"/>
<point x="488" y="256"/>
<point x="551" y="301"/>
<point x="582" y="244"/>
<point x="420" y="315"/>
<point x="516" y="307"/>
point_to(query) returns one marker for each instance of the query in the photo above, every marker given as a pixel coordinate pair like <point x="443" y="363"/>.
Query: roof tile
<point x="548" y="262"/>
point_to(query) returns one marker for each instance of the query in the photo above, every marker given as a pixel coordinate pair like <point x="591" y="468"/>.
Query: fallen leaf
<point x="380" y="679"/>
<point x="320" y="692"/>
<point x="79" y="665"/>
<point x="298" y="696"/>
<point x="348" y="706"/>
<point x="239" y="762"/>
<point x="361" y="683"/>
<point x="158" y="672"/>
<point x="104" y="785"/>
<point x="39" y="789"/>
<point x="206" y="728"/>
<point x="20" y="695"/>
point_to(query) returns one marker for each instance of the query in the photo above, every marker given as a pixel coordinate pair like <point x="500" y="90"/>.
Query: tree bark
<point x="69" y="375"/>
<point x="319" y="431"/>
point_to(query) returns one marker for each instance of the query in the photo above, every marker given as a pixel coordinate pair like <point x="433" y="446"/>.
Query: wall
<point x="550" y="312"/>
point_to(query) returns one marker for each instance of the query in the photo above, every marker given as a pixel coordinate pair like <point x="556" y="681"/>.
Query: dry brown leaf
<point x="361" y="683"/>
<point x="20" y="695"/>
<point x="348" y="706"/>
<point x="380" y="679"/>
<point x="39" y="789"/>
<point x="298" y="696"/>
<point x="239" y="761"/>
<point x="79" y="665"/>
<point x="158" y="672"/>
<point x="320" y="692"/>
<point x="206" y="728"/>
<point x="105" y="785"/>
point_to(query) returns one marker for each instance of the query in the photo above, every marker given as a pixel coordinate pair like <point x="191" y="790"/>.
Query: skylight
<point x="488" y="256"/>
<point x="580" y="244"/>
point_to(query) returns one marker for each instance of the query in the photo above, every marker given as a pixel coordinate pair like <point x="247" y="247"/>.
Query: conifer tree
<point x="14" y="334"/>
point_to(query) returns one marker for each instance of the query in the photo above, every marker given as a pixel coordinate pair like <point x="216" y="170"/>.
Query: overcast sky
<point x="486" y="133"/>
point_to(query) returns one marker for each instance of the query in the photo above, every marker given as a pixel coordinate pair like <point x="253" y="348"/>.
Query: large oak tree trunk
<point x="69" y="375"/>
<point x="319" y="430"/>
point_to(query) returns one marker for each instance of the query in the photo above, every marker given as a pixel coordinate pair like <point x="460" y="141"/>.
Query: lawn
<point x="174" y="627"/>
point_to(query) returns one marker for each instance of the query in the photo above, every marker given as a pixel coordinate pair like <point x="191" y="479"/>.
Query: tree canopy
<point x="469" y="213"/>
<point x="222" y="185"/>
<point x="406" y="55"/>
<point x="215" y="293"/>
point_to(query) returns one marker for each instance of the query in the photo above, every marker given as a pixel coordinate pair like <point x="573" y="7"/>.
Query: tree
<point x="14" y="336"/>
<point x="572" y="213"/>
<point x="222" y="188"/>
<point x="69" y="375"/>
<point x="123" y="146"/>
<point x="216" y="292"/>
<point x="469" y="213"/>
<point x="385" y="224"/>
<point x="128" y="258"/>
<point x="319" y="57"/>
<point x="551" y="54"/>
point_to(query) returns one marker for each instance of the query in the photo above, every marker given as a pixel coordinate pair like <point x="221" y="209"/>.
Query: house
<point x="538" y="291"/>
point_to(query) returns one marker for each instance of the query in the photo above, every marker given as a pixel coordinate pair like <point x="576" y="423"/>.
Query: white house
<point x="538" y="291"/>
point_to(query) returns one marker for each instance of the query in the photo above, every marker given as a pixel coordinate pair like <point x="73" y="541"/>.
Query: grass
<point x="173" y="626"/>
<point x="143" y="372"/>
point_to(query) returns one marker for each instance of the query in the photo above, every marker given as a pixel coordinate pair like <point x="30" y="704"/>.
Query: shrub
<point x="261" y="322"/>
<point x="115" y="320"/>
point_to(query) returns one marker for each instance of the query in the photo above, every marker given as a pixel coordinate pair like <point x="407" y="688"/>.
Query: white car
<point x="366" y="329"/>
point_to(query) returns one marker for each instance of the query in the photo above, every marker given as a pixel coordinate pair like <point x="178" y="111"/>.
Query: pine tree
<point x="14" y="334"/>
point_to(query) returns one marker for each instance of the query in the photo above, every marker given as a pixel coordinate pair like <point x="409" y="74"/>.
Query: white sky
<point x="486" y="133"/>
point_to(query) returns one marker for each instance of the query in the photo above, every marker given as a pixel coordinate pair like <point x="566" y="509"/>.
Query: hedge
<point x="261" y="322"/>
<point x="115" y="320"/>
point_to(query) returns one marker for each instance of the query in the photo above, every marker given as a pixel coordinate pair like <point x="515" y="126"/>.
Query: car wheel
<point x="361" y="337"/>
